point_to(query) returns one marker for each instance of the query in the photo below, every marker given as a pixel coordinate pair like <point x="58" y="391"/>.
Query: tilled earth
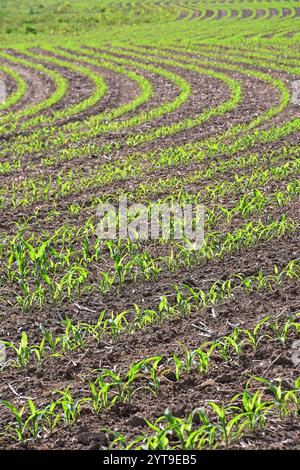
<point x="39" y="380"/>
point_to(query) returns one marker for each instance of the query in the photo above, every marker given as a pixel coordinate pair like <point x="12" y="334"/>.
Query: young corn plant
<point x="254" y="408"/>
<point x="73" y="336"/>
<point x="51" y="418"/>
<point x="120" y="266"/>
<point x="200" y="360"/>
<point x="100" y="391"/>
<point x="70" y="408"/>
<point x="255" y="337"/>
<point x="226" y="423"/>
<point x="27" y="422"/>
<point x="22" y="352"/>
<point x="280" y="397"/>
<point x="282" y="333"/>
<point x="50" y="341"/>
<point x="136" y="373"/>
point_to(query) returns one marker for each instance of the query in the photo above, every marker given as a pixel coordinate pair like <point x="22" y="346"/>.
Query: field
<point x="145" y="343"/>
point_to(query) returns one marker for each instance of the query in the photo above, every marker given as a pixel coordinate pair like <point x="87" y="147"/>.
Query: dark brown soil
<point x="39" y="87"/>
